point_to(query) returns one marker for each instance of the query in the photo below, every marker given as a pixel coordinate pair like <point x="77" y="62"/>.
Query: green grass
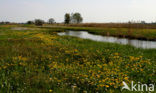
<point x="144" y="34"/>
<point x="37" y="60"/>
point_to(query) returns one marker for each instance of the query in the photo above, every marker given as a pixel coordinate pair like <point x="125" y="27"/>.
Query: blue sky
<point x="91" y="10"/>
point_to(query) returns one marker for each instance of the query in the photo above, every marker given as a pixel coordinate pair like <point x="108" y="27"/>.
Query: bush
<point x="39" y="22"/>
<point x="51" y="21"/>
<point x="30" y="22"/>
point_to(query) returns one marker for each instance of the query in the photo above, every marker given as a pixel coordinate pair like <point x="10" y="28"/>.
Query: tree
<point x="39" y="22"/>
<point x="7" y="22"/>
<point x="143" y="22"/>
<point x="76" y="18"/>
<point x="67" y="18"/>
<point x="51" y="21"/>
<point x="30" y="22"/>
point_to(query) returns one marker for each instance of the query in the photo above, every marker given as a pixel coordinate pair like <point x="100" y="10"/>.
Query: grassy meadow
<point x="36" y="60"/>
<point x="141" y="33"/>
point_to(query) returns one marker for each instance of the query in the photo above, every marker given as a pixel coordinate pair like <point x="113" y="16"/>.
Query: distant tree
<point x="76" y="18"/>
<point x="72" y="20"/>
<point x="67" y="18"/>
<point x="30" y="22"/>
<point x="154" y="22"/>
<point x="2" y="22"/>
<point x="39" y="22"/>
<point x="7" y="22"/>
<point x="51" y="21"/>
<point x="143" y="22"/>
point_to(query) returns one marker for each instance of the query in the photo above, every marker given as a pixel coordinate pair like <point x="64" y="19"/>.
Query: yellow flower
<point x="116" y="54"/>
<point x="101" y="85"/>
<point x="50" y="79"/>
<point x="126" y="78"/>
<point x="50" y="90"/>
<point x="106" y="86"/>
<point x="141" y="70"/>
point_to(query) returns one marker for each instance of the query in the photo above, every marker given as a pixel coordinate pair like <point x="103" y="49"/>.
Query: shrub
<point x="30" y="22"/>
<point x="39" y="22"/>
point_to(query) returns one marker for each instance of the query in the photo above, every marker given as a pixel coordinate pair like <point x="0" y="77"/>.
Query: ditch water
<point x="124" y="41"/>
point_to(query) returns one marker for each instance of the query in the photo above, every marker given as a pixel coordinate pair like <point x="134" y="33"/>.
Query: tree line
<point x="73" y="18"/>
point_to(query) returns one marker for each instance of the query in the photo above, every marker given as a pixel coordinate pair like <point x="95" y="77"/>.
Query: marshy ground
<point x="37" y="60"/>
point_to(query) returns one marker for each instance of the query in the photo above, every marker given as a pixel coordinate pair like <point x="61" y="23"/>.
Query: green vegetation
<point x="144" y="34"/>
<point x="73" y="18"/>
<point x="39" y="22"/>
<point x="51" y="21"/>
<point x="76" y="18"/>
<point x="37" y="60"/>
<point x="67" y="18"/>
<point x="30" y="22"/>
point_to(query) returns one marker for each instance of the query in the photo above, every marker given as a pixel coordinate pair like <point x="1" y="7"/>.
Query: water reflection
<point x="136" y="43"/>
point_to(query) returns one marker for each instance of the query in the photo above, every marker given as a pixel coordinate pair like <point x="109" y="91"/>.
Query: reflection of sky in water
<point x="86" y="35"/>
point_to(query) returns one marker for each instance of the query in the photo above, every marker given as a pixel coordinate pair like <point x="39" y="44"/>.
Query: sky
<point x="99" y="11"/>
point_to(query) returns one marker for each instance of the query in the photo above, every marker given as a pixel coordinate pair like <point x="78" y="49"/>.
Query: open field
<point x="37" y="60"/>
